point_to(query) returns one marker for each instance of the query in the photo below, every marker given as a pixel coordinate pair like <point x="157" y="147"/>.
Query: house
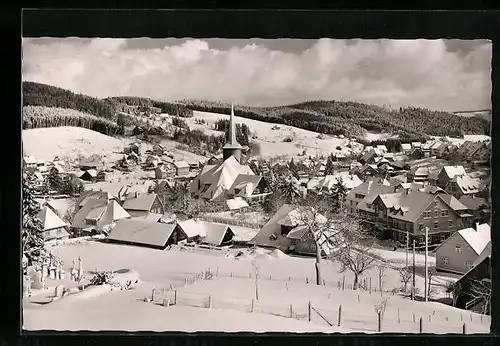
<point x="367" y="171"/>
<point x="192" y="229"/>
<point x="304" y="241"/>
<point x="94" y="195"/>
<point x="152" y="161"/>
<point x="382" y="148"/>
<point x="418" y="174"/>
<point x="405" y="148"/>
<point x="394" y="214"/>
<point x="463" y="185"/>
<point x="209" y="233"/>
<point x="271" y="235"/>
<point x="368" y="157"/>
<point x="160" y="171"/>
<point x="133" y="148"/>
<point x="458" y="253"/>
<point x="158" y="149"/>
<point x="89" y="175"/>
<point x="447" y="173"/>
<point x="478" y="207"/>
<point x="479" y="275"/>
<point x="349" y="181"/>
<point x="236" y="203"/>
<point x="137" y="204"/>
<point x="440" y="149"/>
<point x="53" y="226"/>
<point x="152" y="234"/>
<point x="245" y="185"/>
<point x="215" y="159"/>
<point x="416" y="154"/>
<point x="98" y="215"/>
<point x="416" y="145"/>
<point x="366" y="193"/>
<point x="181" y="168"/>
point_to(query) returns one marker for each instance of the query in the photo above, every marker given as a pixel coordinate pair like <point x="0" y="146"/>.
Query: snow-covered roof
<point x="406" y="146"/>
<point x="142" y="232"/>
<point x="181" y="164"/>
<point x="452" y="171"/>
<point x="467" y="184"/>
<point x="477" y="239"/>
<point x="236" y="203"/>
<point x="104" y="212"/>
<point x="49" y="219"/>
<point x="143" y="201"/>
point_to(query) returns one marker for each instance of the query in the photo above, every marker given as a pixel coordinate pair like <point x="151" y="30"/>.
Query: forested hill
<point x="330" y="117"/>
<point x="354" y="118"/>
<point x="38" y="94"/>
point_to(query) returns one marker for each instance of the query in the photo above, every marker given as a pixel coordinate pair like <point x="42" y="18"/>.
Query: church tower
<point x="232" y="147"/>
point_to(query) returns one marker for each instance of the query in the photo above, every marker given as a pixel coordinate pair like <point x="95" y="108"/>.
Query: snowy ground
<point x="302" y="139"/>
<point x="282" y="281"/>
<point x="371" y="136"/>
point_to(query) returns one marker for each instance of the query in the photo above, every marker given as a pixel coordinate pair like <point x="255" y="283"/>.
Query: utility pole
<point x="426" y="268"/>
<point x="407" y="245"/>
<point x="413" y="286"/>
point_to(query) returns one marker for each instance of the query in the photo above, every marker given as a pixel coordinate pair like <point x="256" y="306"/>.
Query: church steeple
<point x="232" y="147"/>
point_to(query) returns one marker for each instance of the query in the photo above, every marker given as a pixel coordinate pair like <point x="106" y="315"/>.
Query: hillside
<point x="352" y="119"/>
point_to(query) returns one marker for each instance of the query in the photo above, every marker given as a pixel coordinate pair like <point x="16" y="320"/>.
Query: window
<point x="458" y="249"/>
<point x="436" y="225"/>
<point x="468" y="264"/>
<point x="445" y="261"/>
<point x="359" y="196"/>
<point x="420" y="226"/>
<point x="427" y="214"/>
<point x="444" y="212"/>
<point x="436" y="213"/>
<point x="450" y="223"/>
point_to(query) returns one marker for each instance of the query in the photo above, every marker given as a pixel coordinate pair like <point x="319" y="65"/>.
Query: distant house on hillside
<point x="209" y="233"/>
<point x="416" y="145"/>
<point x="405" y="148"/>
<point x="416" y="154"/>
<point x="459" y="252"/>
<point x="86" y="164"/>
<point x="368" y="157"/>
<point x="156" y="235"/>
<point x="53" y="226"/>
<point x="89" y="175"/>
<point x="158" y="149"/>
<point x="478" y="207"/>
<point x="182" y="168"/>
<point x="418" y="174"/>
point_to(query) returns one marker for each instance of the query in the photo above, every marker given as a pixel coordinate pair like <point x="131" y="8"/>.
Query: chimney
<point x="476" y="226"/>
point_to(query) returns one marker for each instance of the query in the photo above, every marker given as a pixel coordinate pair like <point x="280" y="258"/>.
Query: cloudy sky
<point x="439" y="74"/>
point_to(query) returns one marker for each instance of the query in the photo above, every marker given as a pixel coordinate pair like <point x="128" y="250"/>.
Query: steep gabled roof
<point x="263" y="238"/>
<point x="49" y="219"/>
<point x="144" y="201"/>
<point x="477" y="239"/>
<point x="467" y="184"/>
<point x="142" y="232"/>
<point x="247" y="183"/>
<point x="452" y="202"/>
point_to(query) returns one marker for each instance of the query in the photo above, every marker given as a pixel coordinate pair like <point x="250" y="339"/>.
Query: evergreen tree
<point x="293" y="169"/>
<point x="32" y="238"/>
<point x="290" y="191"/>
<point x="55" y="182"/>
<point x="329" y="167"/>
<point x="339" y="193"/>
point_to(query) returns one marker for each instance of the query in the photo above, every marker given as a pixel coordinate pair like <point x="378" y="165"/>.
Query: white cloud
<point x="413" y="72"/>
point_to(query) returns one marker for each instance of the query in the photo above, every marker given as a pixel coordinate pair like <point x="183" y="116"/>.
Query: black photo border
<point x="236" y="23"/>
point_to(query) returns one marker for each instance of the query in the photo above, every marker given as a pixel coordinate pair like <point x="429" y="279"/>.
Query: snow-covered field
<point x="282" y="282"/>
<point x="271" y="140"/>
<point x="372" y="136"/>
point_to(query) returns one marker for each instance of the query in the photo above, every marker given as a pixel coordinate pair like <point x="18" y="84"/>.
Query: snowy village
<point x="137" y="224"/>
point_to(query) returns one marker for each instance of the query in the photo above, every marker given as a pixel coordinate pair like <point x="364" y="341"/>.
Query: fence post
<point x="379" y="320"/>
<point x="329" y="295"/>
<point x="343" y="283"/>
<point x="370" y="290"/>
<point x="153" y="295"/>
<point x="358" y="297"/>
<point x="286" y="285"/>
<point x="307" y="280"/>
<point x="399" y="319"/>
<point x="421" y="324"/>
<point x="231" y="274"/>
<point x="413" y="318"/>
<point x="175" y="297"/>
<point x="291" y="311"/>
<point x="289" y="278"/>
<point x="185" y="282"/>
<point x="429" y="318"/>
<point x="217" y="272"/>
<point x="324" y="283"/>
<point x="340" y="315"/>
<point x="270" y="277"/>
<point x="249" y="275"/>
<point x="164" y="292"/>
<point x="166" y="302"/>
<point x="464" y="329"/>
<point x="471" y="317"/>
<point x="481" y="317"/>
<point x="209" y="302"/>
<point x="309" y="310"/>
<point x="461" y="318"/>
<point x="253" y="305"/>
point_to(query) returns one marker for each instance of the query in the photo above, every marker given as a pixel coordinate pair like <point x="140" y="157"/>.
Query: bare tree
<point x="381" y="275"/>
<point x="355" y="248"/>
<point x="481" y="290"/>
<point x="256" y="276"/>
<point x="380" y="310"/>
<point x="405" y="275"/>
<point x="314" y="213"/>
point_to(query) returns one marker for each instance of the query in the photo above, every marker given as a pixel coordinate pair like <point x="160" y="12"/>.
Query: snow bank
<point x="263" y="256"/>
<point x="277" y="253"/>
<point x="257" y="251"/>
